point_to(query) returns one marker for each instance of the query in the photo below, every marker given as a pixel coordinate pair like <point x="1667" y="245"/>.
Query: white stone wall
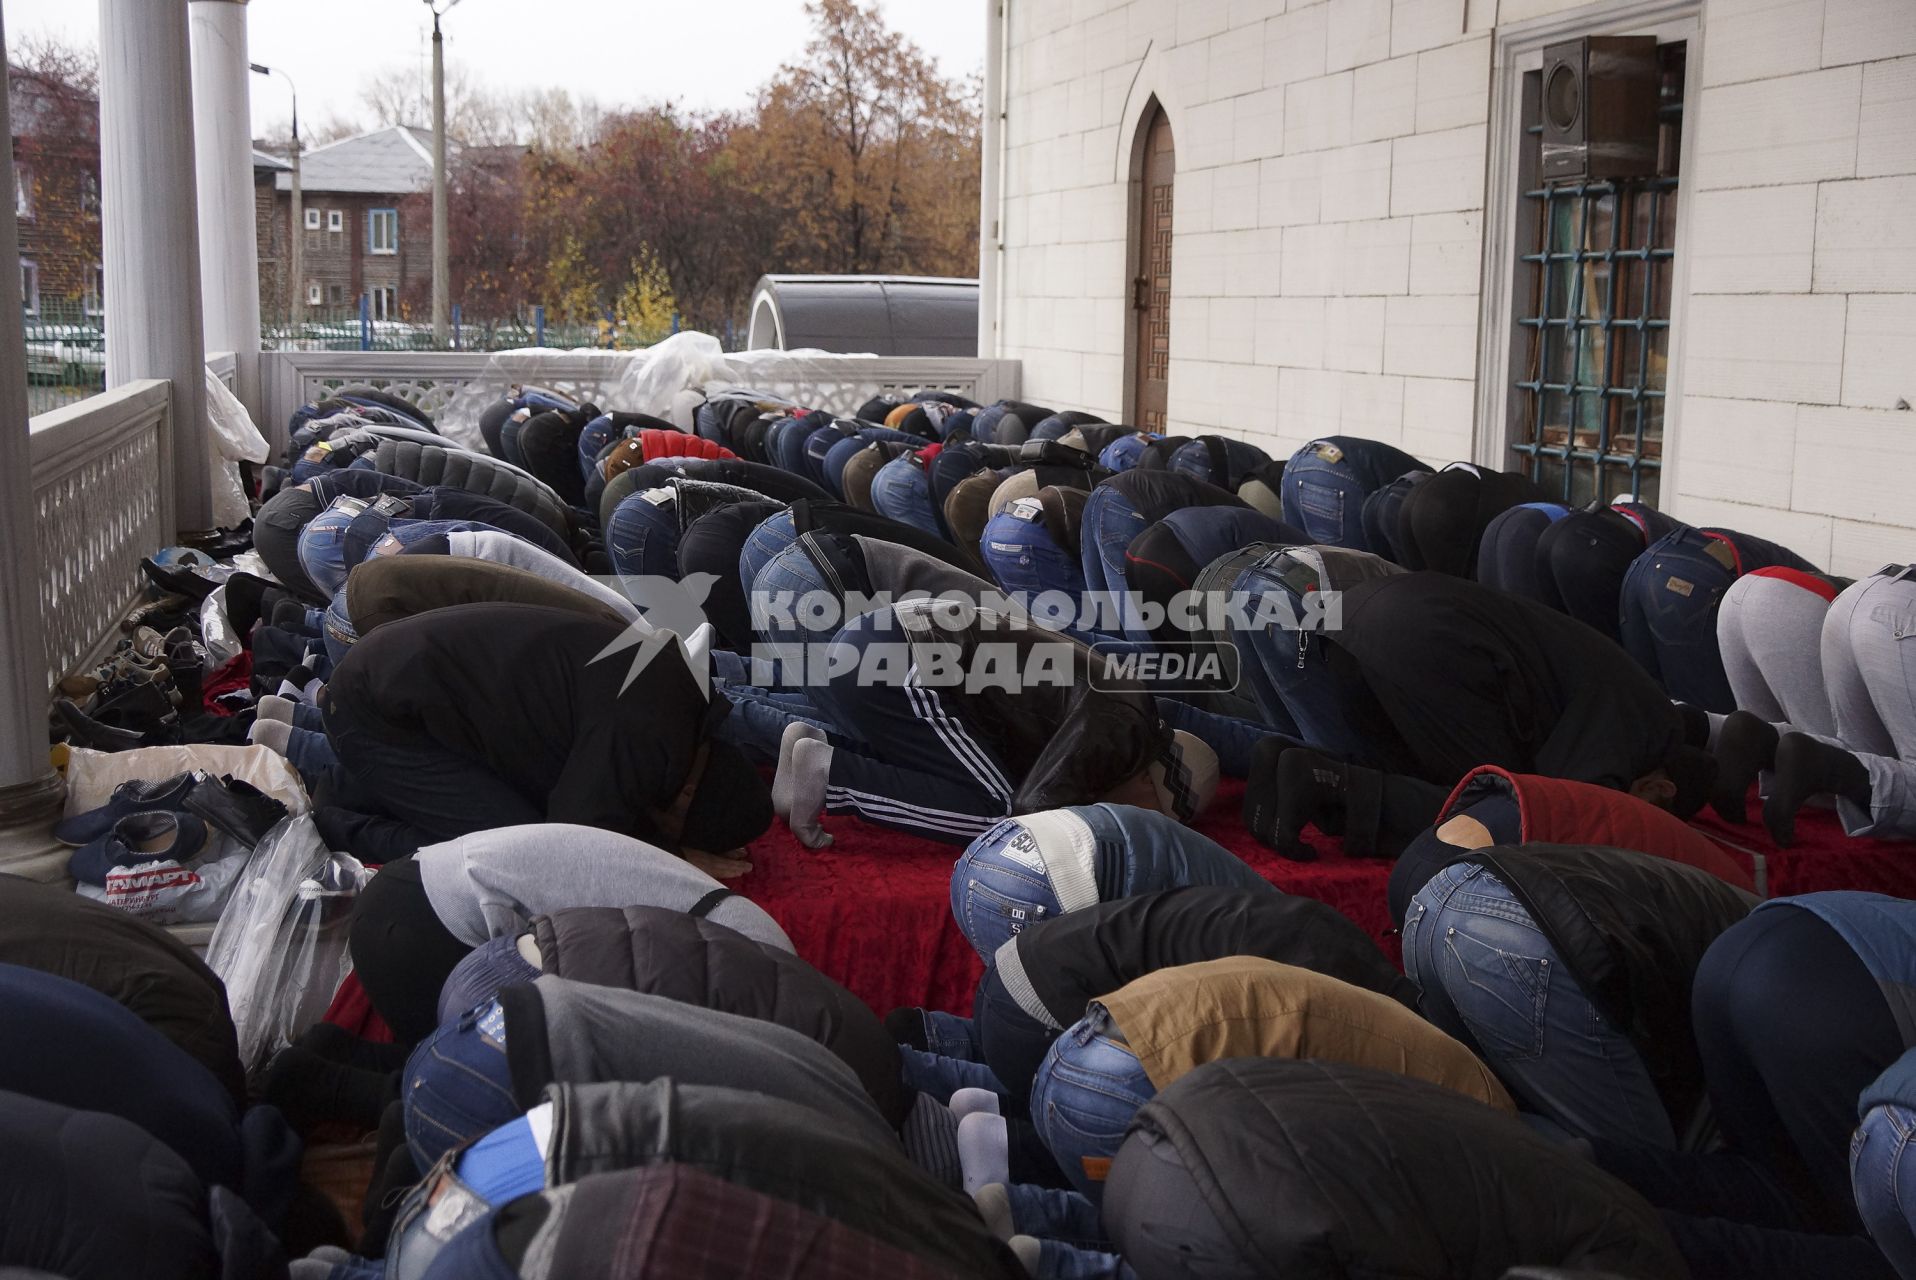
<point x="1800" y="339"/>
<point x="1329" y="236"/>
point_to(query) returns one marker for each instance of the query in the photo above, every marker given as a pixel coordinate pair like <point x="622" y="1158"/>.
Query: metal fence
<point x="356" y="329"/>
<point x="66" y="342"/>
<point x="66" y="355"/>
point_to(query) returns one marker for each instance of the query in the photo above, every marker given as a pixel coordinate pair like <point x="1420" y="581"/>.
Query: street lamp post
<point x="441" y="249"/>
<point x="295" y="296"/>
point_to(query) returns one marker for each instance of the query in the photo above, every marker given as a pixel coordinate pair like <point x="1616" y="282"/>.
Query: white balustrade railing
<point x="225" y="367"/>
<point x="430" y="379"/>
<point x="102" y="499"/>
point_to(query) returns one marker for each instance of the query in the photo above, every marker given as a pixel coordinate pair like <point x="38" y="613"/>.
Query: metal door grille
<point x="1592" y="333"/>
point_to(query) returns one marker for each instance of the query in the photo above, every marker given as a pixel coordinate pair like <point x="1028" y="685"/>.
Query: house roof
<point x="267" y="160"/>
<point x="396" y="160"/>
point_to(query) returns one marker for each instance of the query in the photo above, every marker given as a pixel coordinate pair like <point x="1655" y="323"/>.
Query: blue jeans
<point x="597" y="434"/>
<point x="772" y="536"/>
<point x="901" y="491"/>
<point x="1326" y="500"/>
<point x="1000" y="884"/>
<point x="1668" y="617"/>
<point x="941" y="1076"/>
<point x="1491" y="978"/>
<point x="778" y="592"/>
<point x="1111" y="520"/>
<point x="812" y="454"/>
<point x="322" y="548"/>
<point x="1022" y="555"/>
<point x="1087" y="1090"/>
<point x="457" y="1084"/>
<point x="1289" y="675"/>
<point x="642" y="537"/>
<point x="336" y="629"/>
<point x="1885" y="1182"/>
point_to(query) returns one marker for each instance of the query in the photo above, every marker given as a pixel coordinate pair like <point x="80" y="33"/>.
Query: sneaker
<point x="236" y="807"/>
<point x="128" y="799"/>
<point x="143" y="837"/>
<point x="167" y="606"/>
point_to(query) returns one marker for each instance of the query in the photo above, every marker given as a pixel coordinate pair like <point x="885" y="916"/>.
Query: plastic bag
<point x="216" y="629"/>
<point x="280" y="945"/>
<point x="92" y="775"/>
<point x="169" y="892"/>
<point x="235" y="439"/>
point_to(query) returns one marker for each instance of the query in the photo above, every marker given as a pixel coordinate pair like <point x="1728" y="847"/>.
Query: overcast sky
<point x="711" y="54"/>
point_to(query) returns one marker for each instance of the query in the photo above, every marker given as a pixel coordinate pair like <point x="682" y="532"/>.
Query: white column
<point x="990" y="198"/>
<point x="229" y="227"/>
<point x="150" y="227"/>
<point x="28" y="786"/>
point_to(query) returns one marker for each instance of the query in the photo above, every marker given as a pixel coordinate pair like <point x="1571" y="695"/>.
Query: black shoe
<point x="907" y="1027"/>
<point x="155" y="612"/>
<point x="236" y="807"/>
<point x="1745" y="747"/>
<point x="178" y="580"/>
<point x="336" y="1044"/>
<point x="312" y="1092"/>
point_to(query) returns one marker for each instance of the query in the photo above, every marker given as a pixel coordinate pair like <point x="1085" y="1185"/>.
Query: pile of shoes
<point x="170" y="848"/>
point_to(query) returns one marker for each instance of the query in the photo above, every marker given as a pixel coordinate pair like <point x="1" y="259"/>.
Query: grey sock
<point x="994" y="1206"/>
<point x="271" y="733"/>
<point x="274" y="707"/>
<point x="796" y="732"/>
<point x="931" y="1140"/>
<point x="805" y="781"/>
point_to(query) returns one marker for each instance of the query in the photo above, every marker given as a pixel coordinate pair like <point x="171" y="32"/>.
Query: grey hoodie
<point x="491" y="884"/>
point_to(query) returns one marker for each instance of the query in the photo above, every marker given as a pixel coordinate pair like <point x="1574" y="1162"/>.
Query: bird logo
<point x="671" y="611"/>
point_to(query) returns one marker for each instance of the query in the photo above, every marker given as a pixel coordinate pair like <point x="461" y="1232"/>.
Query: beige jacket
<point x="1176" y="1020"/>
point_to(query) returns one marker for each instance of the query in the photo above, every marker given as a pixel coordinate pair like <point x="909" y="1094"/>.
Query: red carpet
<point x="874" y="910"/>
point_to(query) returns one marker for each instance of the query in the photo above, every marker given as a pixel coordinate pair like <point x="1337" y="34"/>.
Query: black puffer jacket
<point x="430" y="465"/>
<point x="90" y="1196"/>
<point x="694" y="960"/>
<point x="757" y="476"/>
<point x="783" y="1149"/>
<point x="1632" y="928"/>
<point x="137" y="965"/>
<point x="1256" y="1167"/>
<point x="1055" y="968"/>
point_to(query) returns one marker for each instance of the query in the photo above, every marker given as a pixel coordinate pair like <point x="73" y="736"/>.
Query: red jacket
<point x="1559" y="811"/>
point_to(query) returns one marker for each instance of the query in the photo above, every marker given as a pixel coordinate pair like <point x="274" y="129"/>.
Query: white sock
<point x="984" y="1149"/>
<point x="1028" y="1250"/>
<point x="805" y="780"/>
<point x="291" y="692"/>
<point x="275" y="734"/>
<point x="968" y="1101"/>
<point x="795" y="732"/>
<point x="274" y="707"/>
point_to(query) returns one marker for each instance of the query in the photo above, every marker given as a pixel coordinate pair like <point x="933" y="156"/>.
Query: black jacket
<point x="90" y="1196"/>
<point x="1055" y="968"/>
<point x="696" y="961"/>
<point x="1255" y="1167"/>
<point x="524" y="691"/>
<point x="784" y="1149"/>
<point x="137" y="965"/>
<point x="1632" y="927"/>
<point x="1471" y="676"/>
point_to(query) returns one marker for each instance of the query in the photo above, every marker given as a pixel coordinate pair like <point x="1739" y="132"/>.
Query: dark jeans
<point x="1584" y="558"/>
<point x="458" y="1084"/>
<point x="1326" y="500"/>
<point x="440" y="792"/>
<point x="642" y="537"/>
<point x="1507" y="558"/>
<point x="1667" y="615"/>
<point x="1791" y="1028"/>
<point x="401" y="952"/>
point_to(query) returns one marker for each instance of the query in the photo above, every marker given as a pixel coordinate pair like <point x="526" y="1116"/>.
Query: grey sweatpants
<point x="1769" y="631"/>
<point x="1869" y="670"/>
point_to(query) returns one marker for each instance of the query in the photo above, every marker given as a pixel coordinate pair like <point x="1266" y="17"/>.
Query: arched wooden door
<point x="1151" y="282"/>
